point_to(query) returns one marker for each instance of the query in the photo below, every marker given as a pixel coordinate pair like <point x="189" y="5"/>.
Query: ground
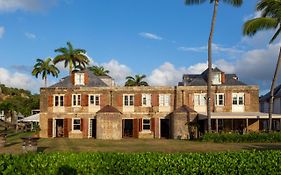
<point x="14" y="145"/>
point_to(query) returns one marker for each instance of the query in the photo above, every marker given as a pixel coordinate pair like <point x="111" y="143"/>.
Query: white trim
<point x="164" y="100"/>
<point x="217" y="99"/>
<point x="72" y="126"/>
<point x="200" y="97"/>
<point x="77" y="80"/>
<point x="89" y="99"/>
<point x="76" y="97"/>
<point x="129" y="104"/>
<point x="148" y="100"/>
<point x="59" y="100"/>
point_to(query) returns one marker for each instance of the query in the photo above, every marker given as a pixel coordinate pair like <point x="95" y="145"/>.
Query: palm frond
<point x="234" y="3"/>
<point x="252" y="26"/>
<point x="194" y="2"/>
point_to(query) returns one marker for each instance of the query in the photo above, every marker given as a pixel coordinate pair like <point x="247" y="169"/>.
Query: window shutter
<point x="120" y="100"/>
<point x="190" y="100"/>
<point x="86" y="78"/>
<point x="135" y="128"/>
<point x="155" y="99"/>
<point x="72" y="78"/>
<point x="67" y="100"/>
<point x="140" y="124"/>
<point x="84" y="100"/>
<point x="138" y="100"/>
<point x="50" y="101"/>
<point x="152" y="125"/>
<point x="65" y="127"/>
<point x="69" y="124"/>
<point x="50" y="127"/>
<point x="81" y="125"/>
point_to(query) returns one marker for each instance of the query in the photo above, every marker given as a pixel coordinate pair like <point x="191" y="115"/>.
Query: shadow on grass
<point x="66" y="170"/>
<point x="263" y="147"/>
<point x="41" y="149"/>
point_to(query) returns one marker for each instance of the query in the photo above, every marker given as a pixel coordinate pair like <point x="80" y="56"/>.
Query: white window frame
<point x="79" y="79"/>
<point x="76" y="124"/>
<point x="164" y="99"/>
<point x="146" y="100"/>
<point x="238" y="96"/>
<point x="60" y="101"/>
<point x="218" y="81"/>
<point x="131" y="100"/>
<point x="200" y="102"/>
<point x="145" y="124"/>
<point x="76" y="98"/>
<point x="95" y="100"/>
<point x="217" y="99"/>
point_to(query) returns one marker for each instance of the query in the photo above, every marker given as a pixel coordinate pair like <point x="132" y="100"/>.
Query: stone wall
<point x="109" y="126"/>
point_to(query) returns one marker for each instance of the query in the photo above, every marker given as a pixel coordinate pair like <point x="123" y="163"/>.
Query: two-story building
<point x="87" y="106"/>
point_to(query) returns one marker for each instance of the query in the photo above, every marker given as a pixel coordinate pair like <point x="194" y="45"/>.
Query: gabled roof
<point x="109" y="109"/>
<point x="94" y="81"/>
<point x="201" y="79"/>
<point x="276" y="93"/>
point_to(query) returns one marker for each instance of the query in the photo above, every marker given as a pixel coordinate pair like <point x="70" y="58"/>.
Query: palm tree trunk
<point x="45" y="81"/>
<point x="209" y="85"/>
<point x="272" y="91"/>
<point x="70" y="67"/>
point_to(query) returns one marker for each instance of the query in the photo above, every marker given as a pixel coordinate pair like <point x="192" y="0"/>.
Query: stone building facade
<point x="86" y="106"/>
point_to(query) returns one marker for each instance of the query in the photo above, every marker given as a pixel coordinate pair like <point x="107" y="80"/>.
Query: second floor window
<point x="164" y="100"/>
<point x="216" y="78"/>
<point x="146" y="99"/>
<point x="59" y="100"/>
<point x="128" y="100"/>
<point x="200" y="99"/>
<point x="238" y="99"/>
<point x="94" y="100"/>
<point x="219" y="99"/>
<point x="76" y="100"/>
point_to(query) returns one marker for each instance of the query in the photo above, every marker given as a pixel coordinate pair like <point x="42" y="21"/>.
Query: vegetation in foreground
<point x="238" y="138"/>
<point x="248" y="162"/>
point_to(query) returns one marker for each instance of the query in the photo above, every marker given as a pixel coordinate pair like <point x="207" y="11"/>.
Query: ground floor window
<point x="146" y="124"/>
<point x="76" y="124"/>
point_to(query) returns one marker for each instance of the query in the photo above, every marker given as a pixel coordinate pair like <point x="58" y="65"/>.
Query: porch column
<point x="217" y="125"/>
<point x="247" y="124"/>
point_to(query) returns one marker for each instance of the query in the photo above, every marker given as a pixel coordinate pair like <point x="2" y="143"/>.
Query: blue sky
<point x="162" y="39"/>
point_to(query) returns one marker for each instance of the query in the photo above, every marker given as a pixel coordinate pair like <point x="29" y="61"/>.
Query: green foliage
<point x="138" y="80"/>
<point x="99" y="70"/>
<point x="235" y="137"/>
<point x="248" y="162"/>
<point x="13" y="91"/>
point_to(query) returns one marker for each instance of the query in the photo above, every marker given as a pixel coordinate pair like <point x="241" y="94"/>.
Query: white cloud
<point x="25" y="5"/>
<point x="2" y="31"/>
<point x="20" y="80"/>
<point x="257" y="14"/>
<point x="30" y="35"/>
<point x="117" y="71"/>
<point x="150" y="36"/>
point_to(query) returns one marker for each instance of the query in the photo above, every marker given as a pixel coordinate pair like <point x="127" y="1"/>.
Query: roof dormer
<point x="79" y="78"/>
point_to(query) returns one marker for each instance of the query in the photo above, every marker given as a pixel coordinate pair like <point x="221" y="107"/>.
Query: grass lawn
<point x="14" y="145"/>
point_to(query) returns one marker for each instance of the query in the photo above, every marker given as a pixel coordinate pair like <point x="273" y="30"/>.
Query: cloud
<point x="20" y="80"/>
<point x="216" y="48"/>
<point x="25" y="5"/>
<point x="117" y="71"/>
<point x="252" y="16"/>
<point x="30" y="35"/>
<point x="150" y="36"/>
<point x="2" y="31"/>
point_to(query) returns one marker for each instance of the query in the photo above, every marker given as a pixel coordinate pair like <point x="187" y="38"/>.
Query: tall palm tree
<point x="45" y="67"/>
<point x="136" y="81"/>
<point x="235" y="3"/>
<point x="270" y="19"/>
<point x="99" y="70"/>
<point x="71" y="57"/>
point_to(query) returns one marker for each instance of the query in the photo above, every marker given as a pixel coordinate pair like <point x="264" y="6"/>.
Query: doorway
<point x="165" y="128"/>
<point x="93" y="128"/>
<point x="59" y="128"/>
<point x="127" y="127"/>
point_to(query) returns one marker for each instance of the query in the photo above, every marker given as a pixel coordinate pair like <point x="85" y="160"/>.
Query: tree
<point x="136" y="81"/>
<point x="99" y="70"/>
<point x="270" y="19"/>
<point x="72" y="57"/>
<point x="235" y="3"/>
<point x="8" y="109"/>
<point x="45" y="67"/>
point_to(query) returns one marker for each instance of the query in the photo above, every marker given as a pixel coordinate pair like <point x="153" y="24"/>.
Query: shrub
<point x="247" y="162"/>
<point x="235" y="137"/>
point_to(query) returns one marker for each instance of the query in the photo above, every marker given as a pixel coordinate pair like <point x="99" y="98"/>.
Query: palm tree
<point x="71" y="57"/>
<point x="235" y="3"/>
<point x="270" y="19"/>
<point x="99" y="70"/>
<point x="136" y="81"/>
<point x="8" y="109"/>
<point x="45" y="67"/>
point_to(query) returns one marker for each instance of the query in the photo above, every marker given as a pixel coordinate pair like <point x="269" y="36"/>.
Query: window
<point x="238" y="98"/>
<point x="76" y="124"/>
<point x="76" y="100"/>
<point x="79" y="78"/>
<point x="200" y="99"/>
<point x="219" y="99"/>
<point x="146" y="100"/>
<point x="146" y="124"/>
<point x="94" y="100"/>
<point x="164" y="100"/>
<point x="128" y="100"/>
<point x="216" y="78"/>
<point x="58" y="100"/>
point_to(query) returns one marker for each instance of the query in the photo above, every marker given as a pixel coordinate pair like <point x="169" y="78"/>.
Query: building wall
<point x="183" y="95"/>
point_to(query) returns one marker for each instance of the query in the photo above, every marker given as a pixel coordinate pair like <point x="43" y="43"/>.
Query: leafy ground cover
<point x="245" y="162"/>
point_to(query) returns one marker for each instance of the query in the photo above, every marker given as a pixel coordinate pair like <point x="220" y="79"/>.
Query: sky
<point x="161" y="39"/>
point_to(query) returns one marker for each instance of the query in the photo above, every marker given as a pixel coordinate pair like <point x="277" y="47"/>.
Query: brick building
<point x="84" y="106"/>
